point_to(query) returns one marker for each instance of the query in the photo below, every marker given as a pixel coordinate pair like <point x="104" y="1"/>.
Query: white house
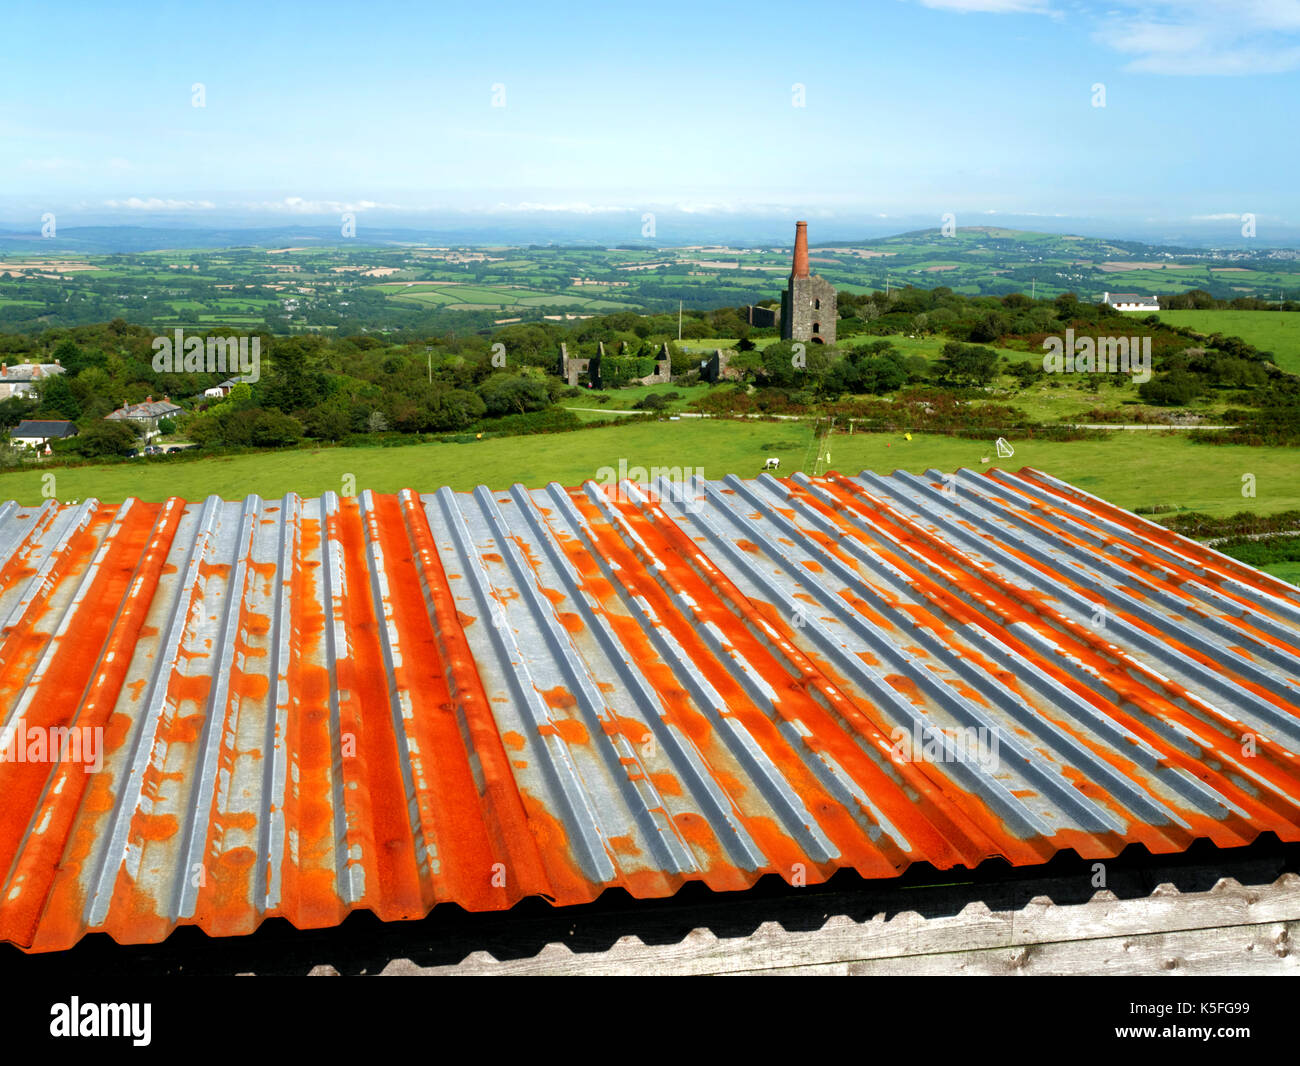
<point x="1131" y="301"/>
<point x="21" y="379"/>
<point x="37" y="432"/>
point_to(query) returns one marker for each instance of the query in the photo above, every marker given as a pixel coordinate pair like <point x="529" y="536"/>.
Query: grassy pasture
<point x="1129" y="469"/>
<point x="505" y="298"/>
<point x="1286" y="571"/>
<point x="1270" y="331"/>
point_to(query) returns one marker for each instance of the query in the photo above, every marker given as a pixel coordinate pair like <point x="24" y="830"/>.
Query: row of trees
<point x="1200" y="300"/>
<point x="333" y="387"/>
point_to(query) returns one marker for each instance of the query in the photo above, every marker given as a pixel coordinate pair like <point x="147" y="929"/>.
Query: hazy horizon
<point x="563" y="229"/>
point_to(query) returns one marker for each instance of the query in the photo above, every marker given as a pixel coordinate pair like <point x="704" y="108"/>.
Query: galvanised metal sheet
<point x="298" y="707"/>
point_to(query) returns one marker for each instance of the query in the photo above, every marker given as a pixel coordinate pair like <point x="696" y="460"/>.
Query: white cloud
<point x="1206" y="37"/>
<point x="298" y="205"/>
<point x="685" y="207"/>
<point x="991" y="7"/>
<point x="529" y="206"/>
<point x="1181" y="37"/>
<point x="711" y="208"/>
<point x="53" y="163"/>
<point x="1020" y="213"/>
<point x="153" y="203"/>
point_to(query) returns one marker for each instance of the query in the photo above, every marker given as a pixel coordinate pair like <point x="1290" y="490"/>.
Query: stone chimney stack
<point x="800" y="250"/>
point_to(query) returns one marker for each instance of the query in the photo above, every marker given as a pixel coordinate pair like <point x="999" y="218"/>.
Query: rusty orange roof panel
<point x="217" y="712"/>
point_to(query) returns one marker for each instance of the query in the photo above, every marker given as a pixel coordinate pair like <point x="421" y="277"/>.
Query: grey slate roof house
<point x="36" y="432"/>
<point x="22" y="378"/>
<point x="146" y="414"/>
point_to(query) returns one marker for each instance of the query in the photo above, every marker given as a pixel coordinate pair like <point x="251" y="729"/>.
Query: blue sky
<point x="913" y="108"/>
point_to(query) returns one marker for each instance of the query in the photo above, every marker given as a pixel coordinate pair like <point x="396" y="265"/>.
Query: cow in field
<point x="773" y="463"/>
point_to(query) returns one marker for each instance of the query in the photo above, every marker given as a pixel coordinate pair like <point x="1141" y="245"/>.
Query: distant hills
<point x="291" y="278"/>
<point x="991" y="240"/>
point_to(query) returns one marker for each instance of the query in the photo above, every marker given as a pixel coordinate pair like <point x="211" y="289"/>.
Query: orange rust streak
<point x="377" y="807"/>
<point x="24" y="644"/>
<point x="225" y="904"/>
<point x="449" y="802"/>
<point x="505" y="821"/>
<point x="87" y="675"/>
<point x="309" y="884"/>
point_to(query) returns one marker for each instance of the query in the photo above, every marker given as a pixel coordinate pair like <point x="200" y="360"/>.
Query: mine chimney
<point x="800" y="250"/>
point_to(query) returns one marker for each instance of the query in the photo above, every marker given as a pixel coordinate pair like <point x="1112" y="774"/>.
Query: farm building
<point x="390" y="701"/>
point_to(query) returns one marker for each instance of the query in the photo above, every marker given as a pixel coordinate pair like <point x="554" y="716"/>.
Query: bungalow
<point x="1131" y="301"/>
<point x="37" y="432"/>
<point x="146" y="415"/>
<point x="21" y="379"/>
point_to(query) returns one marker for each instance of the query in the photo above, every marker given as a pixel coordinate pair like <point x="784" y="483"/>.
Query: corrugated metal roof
<point x="388" y="701"/>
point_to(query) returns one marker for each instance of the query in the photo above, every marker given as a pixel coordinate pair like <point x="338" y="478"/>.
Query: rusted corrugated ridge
<point x="312" y="705"/>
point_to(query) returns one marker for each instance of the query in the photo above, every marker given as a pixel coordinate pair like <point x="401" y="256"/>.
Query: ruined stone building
<point x="574" y="369"/>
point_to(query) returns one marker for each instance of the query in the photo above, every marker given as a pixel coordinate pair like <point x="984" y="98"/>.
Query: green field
<point x="1269" y="331"/>
<point x="1071" y="400"/>
<point x="1286" y="571"/>
<point x="1129" y="469"/>
<point x="623" y="399"/>
<point x="502" y="298"/>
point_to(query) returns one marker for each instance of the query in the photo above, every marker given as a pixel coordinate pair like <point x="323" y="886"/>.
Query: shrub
<point x="102" y="438"/>
<point x="1173" y="389"/>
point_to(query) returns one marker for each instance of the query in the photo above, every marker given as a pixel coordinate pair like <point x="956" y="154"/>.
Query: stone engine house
<point x="808" y="303"/>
